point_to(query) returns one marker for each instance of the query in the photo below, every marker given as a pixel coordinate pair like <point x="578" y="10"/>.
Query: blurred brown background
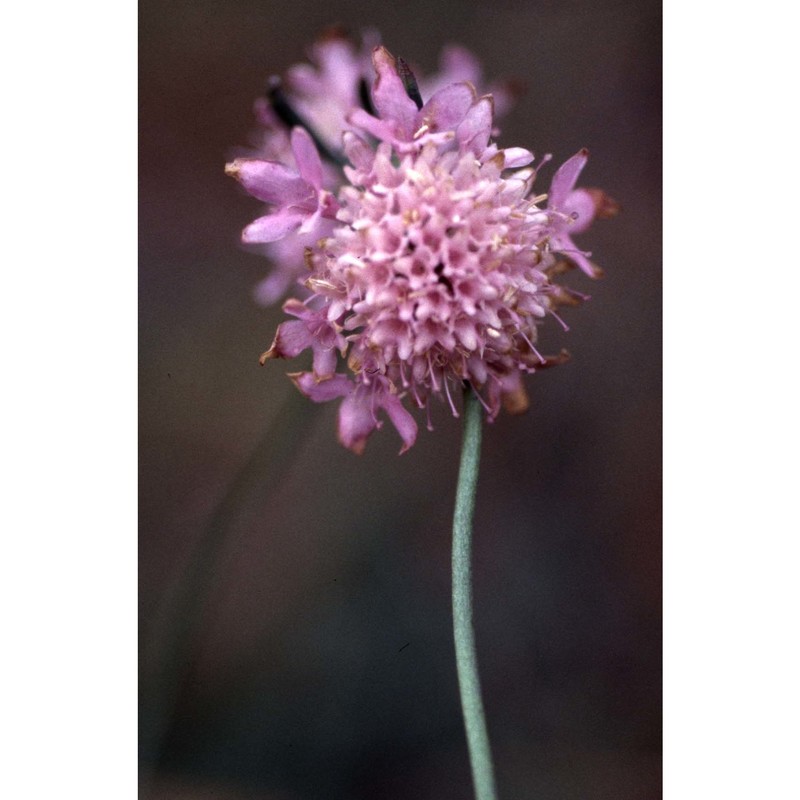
<point x="295" y="620"/>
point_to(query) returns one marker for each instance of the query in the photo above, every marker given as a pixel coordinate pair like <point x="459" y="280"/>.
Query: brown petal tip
<point x="333" y="33"/>
<point x="555" y="361"/>
<point x="266" y="355"/>
<point x="273" y="352"/>
<point x="559" y="267"/>
<point x="605" y="206"/>
<point x="516" y="401"/>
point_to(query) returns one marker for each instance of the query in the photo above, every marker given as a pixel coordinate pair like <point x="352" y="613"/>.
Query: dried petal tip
<point x="334" y="33"/>
<point x="563" y="296"/>
<point x="516" y="401"/>
<point x="554" y="361"/>
<point x="232" y="169"/>
<point x="274" y="349"/>
<point x="605" y="207"/>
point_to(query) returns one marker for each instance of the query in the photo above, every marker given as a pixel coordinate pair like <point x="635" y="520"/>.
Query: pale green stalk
<point x="480" y="756"/>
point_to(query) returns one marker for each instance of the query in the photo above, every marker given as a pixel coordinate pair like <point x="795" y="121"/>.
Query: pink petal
<point x="273" y="226"/>
<point x="324" y="361"/>
<point x="321" y="391"/>
<point x="338" y="62"/>
<point x="402" y="420"/>
<point x="356" y="422"/>
<point x="380" y="129"/>
<point x="580" y="203"/>
<point x="516" y="157"/>
<point x="269" y="181"/>
<point x="297" y="309"/>
<point x="459" y="64"/>
<point x="466" y="331"/>
<point x="474" y="132"/>
<point x="566" y="246"/>
<point x="505" y="97"/>
<point x="389" y="94"/>
<point x="310" y="222"/>
<point x="307" y="157"/>
<point x="328" y="205"/>
<point x="358" y="152"/>
<point x="447" y="108"/>
<point x="291" y="339"/>
<point x="304" y="79"/>
<point x="565" y="178"/>
<point x="273" y="286"/>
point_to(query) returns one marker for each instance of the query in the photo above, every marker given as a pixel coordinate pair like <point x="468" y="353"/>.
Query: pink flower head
<point x="319" y="96"/>
<point x="438" y="267"/>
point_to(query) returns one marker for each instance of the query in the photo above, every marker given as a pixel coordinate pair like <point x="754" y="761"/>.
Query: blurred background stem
<point x="466" y="661"/>
<point x="269" y="461"/>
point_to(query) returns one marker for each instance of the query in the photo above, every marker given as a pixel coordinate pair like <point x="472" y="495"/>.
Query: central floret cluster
<point x="436" y="275"/>
<point x="434" y="263"/>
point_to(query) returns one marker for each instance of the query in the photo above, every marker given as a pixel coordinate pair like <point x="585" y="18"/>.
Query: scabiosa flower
<point x="319" y="97"/>
<point x="437" y="266"/>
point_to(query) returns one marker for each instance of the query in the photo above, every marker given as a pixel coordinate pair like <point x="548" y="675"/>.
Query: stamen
<point x="545" y="158"/>
<point x="351" y="260"/>
<point x="403" y="375"/>
<point x="561" y="321"/>
<point x="481" y="400"/>
<point x="538" y="355"/>
<point x="319" y="283"/>
<point x="577" y="294"/>
<point x="562" y="215"/>
<point x="450" y="399"/>
<point x="586" y="253"/>
<point x="416" y="396"/>
<point x="429" y="425"/>
<point x="434" y="382"/>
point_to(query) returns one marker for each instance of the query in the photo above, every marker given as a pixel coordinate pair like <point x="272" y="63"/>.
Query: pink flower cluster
<point x="431" y="266"/>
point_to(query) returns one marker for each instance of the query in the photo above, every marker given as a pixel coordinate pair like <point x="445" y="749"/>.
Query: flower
<point x="573" y="210"/>
<point x="299" y="196"/>
<point x="319" y="97"/>
<point x="438" y="266"/>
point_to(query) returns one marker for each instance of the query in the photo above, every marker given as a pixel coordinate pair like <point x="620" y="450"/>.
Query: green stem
<point x="466" y="662"/>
